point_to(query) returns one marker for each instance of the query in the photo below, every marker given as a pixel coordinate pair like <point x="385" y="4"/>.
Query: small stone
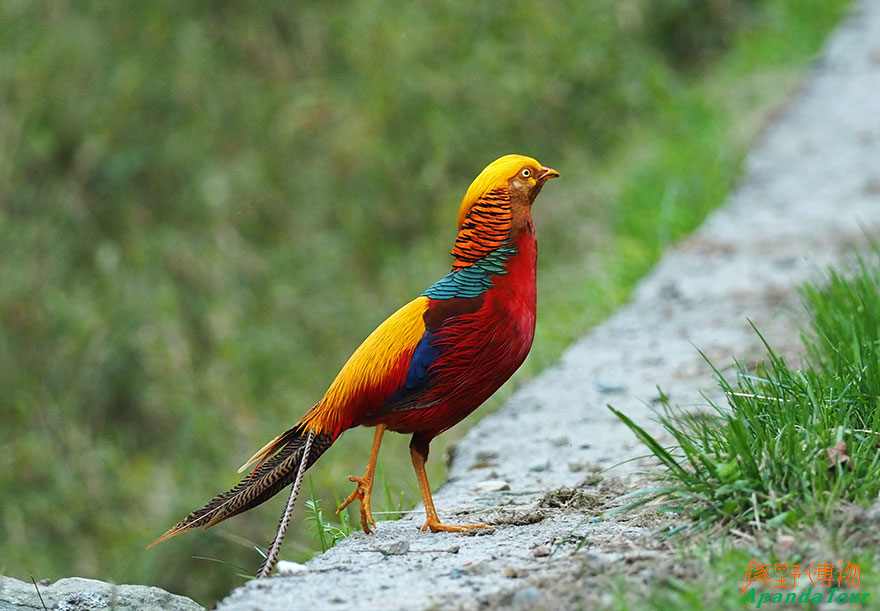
<point x="541" y="551"/>
<point x="510" y="572"/>
<point x="398" y="548"/>
<point x="485" y="455"/>
<point x="610" y="387"/>
<point x="285" y="567"/>
<point x="785" y="540"/>
<point x="527" y="596"/>
<point x="872" y="186"/>
<point x="479" y="568"/>
<point x="590" y="480"/>
<point x="541" y="466"/>
<point x="492" y="485"/>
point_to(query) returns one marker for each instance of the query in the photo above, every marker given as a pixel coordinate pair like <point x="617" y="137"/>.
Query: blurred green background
<point x="206" y="206"/>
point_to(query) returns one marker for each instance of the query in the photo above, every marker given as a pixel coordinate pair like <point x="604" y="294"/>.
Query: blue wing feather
<point x="424" y="356"/>
<point x="417" y="373"/>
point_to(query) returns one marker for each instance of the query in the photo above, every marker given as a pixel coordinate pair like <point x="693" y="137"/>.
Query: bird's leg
<point x="365" y="484"/>
<point x="418" y="449"/>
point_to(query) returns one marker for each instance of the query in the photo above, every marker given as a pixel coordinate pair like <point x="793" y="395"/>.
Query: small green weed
<point x="393" y="511"/>
<point x="326" y="533"/>
<point x="329" y="534"/>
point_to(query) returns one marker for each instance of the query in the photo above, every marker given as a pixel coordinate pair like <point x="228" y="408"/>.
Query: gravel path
<point x="810" y="193"/>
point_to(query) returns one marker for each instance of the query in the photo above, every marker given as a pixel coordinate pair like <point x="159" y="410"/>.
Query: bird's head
<point x="522" y="175"/>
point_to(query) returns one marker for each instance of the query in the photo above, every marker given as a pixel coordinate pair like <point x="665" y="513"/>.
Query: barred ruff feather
<point x="486" y="228"/>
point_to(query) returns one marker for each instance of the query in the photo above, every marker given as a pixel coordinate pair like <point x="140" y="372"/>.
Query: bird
<point x="426" y="367"/>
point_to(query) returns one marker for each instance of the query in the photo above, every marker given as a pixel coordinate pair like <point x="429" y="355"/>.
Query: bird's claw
<point x="362" y="493"/>
<point x="435" y="526"/>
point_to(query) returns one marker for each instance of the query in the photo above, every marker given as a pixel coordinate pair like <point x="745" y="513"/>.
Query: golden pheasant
<point x="425" y="368"/>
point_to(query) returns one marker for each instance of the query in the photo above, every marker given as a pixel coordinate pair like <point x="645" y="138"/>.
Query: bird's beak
<point x="547" y="173"/>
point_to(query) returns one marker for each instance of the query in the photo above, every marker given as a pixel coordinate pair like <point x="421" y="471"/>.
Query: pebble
<point x="541" y="551"/>
<point x="492" y="485"/>
<point x="610" y="387"/>
<point x="527" y="596"/>
<point x="398" y="548"/>
<point x="285" y="567"/>
<point x="785" y="540"/>
<point x="485" y="455"/>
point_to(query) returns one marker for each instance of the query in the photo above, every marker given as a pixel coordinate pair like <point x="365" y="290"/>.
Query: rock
<point x="78" y="594"/>
<point x="398" y="548"/>
<point x="610" y="387"/>
<point x="81" y="601"/>
<point x="873" y="513"/>
<point x="541" y="551"/>
<point x="527" y="596"/>
<point x="486" y="455"/>
<point x="285" y="567"/>
<point x="492" y="485"/>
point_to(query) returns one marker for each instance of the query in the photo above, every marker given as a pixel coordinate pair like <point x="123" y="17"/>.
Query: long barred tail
<point x="279" y="463"/>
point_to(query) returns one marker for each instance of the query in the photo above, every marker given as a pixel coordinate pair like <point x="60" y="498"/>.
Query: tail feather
<point x="280" y="462"/>
<point x="272" y="447"/>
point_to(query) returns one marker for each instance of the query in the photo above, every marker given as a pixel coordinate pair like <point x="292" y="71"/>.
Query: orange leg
<point x="365" y="484"/>
<point x="418" y="450"/>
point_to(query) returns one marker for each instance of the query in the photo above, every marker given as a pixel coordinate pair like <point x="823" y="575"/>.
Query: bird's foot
<point x="362" y="493"/>
<point x="435" y="526"/>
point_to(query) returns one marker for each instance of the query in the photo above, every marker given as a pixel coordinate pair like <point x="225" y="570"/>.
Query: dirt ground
<point x="540" y="469"/>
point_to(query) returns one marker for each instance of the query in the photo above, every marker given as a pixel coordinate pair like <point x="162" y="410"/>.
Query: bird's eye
<point x="526" y="172"/>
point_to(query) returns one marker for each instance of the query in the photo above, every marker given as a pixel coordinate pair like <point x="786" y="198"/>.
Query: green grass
<point x="205" y="207"/>
<point x="795" y="448"/>
<point x="792" y="443"/>
<point x="325" y="532"/>
<point x="328" y="532"/>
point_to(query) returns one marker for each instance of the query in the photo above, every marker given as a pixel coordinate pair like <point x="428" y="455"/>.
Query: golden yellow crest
<point x="495" y="174"/>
